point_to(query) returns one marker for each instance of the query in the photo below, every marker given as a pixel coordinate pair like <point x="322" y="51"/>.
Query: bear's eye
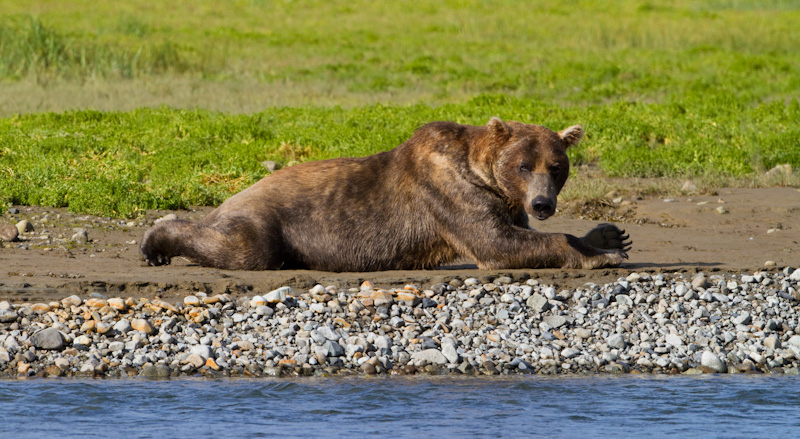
<point x="524" y="168"/>
<point x="555" y="168"/>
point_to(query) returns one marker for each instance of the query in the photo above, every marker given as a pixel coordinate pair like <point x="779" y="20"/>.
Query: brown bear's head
<point x="530" y="163"/>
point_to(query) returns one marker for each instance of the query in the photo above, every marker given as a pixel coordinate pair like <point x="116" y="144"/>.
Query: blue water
<point x="597" y="407"/>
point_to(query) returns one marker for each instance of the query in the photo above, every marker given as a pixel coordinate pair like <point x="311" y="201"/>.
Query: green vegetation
<point x="679" y="89"/>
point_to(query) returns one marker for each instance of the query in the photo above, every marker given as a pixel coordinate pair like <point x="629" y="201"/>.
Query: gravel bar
<point x="666" y="323"/>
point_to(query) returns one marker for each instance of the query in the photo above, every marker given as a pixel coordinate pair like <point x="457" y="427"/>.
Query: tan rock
<point x="40" y="307"/>
<point x="143" y="326"/>
<point x="382" y="298"/>
<point x="117" y="304"/>
<point x="195" y="360"/>
<point x="406" y="296"/>
<point x="212" y="364"/>
<point x="23" y="368"/>
<point x="212" y="299"/>
<point x="96" y="303"/>
<point x="72" y="301"/>
<point x="53" y="371"/>
<point x="88" y="326"/>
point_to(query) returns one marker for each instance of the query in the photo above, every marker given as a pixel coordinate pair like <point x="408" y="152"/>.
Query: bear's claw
<point x="608" y="237"/>
<point x="156" y="260"/>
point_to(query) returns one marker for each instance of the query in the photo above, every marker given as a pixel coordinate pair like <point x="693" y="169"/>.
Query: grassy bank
<point x="359" y="52"/>
<point x="677" y="89"/>
<point x="122" y="162"/>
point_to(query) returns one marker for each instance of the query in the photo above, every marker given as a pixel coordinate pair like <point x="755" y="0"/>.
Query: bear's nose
<point x="543" y="206"/>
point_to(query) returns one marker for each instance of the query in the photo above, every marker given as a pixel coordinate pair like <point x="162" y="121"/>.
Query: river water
<point x="593" y="407"/>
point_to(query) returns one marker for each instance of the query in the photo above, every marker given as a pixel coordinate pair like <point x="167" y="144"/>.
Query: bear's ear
<point x="572" y="135"/>
<point x="499" y="130"/>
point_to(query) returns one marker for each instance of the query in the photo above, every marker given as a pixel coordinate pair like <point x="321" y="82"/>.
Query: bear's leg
<point x="236" y="249"/>
<point x="607" y="236"/>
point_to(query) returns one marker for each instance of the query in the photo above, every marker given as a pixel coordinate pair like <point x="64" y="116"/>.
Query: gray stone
<point x="794" y="341"/>
<point x="329" y="333"/>
<point x="569" y="352"/>
<point x="537" y="303"/>
<point x="81" y="236"/>
<point x="430" y="356"/>
<point x="8" y="232"/>
<point x="264" y="311"/>
<point x="555" y="321"/>
<point x="383" y="342"/>
<point x="333" y="349"/>
<point x="49" y="339"/>
<point x="624" y="299"/>
<point x="795" y="276"/>
<point x="155" y="371"/>
<point x="116" y="346"/>
<point x="123" y="326"/>
<point x="616" y="341"/>
<point x="710" y="360"/>
<point x="450" y="353"/>
<point x="742" y="319"/>
<point x="8" y="316"/>
<point x="772" y="342"/>
<point x="700" y="282"/>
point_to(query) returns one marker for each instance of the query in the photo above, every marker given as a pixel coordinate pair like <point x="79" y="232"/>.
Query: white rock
<point x="279" y="295"/>
<point x="451" y="353"/>
<point x="710" y="360"/>
<point x="203" y="351"/>
<point x="432" y="356"/>
<point x="673" y="339"/>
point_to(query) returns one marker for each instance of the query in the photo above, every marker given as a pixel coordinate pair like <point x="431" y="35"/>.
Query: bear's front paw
<point x="150" y="254"/>
<point x="608" y="237"/>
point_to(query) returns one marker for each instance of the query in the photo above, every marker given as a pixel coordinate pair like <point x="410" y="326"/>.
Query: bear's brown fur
<point x="451" y="191"/>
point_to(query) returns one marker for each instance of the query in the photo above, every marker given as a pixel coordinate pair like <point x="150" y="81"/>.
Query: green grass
<point x="118" y="164"/>
<point x="678" y="89"/>
<point x="359" y="52"/>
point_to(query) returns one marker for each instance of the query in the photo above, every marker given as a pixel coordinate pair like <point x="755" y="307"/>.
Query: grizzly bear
<point x="450" y="191"/>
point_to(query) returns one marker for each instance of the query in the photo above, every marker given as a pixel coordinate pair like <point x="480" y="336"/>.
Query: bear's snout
<point x="543" y="207"/>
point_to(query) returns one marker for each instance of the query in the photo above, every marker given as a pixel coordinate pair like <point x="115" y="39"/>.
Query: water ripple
<point x="686" y="407"/>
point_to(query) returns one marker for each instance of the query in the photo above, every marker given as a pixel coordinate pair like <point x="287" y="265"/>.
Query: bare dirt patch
<point x="686" y="233"/>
